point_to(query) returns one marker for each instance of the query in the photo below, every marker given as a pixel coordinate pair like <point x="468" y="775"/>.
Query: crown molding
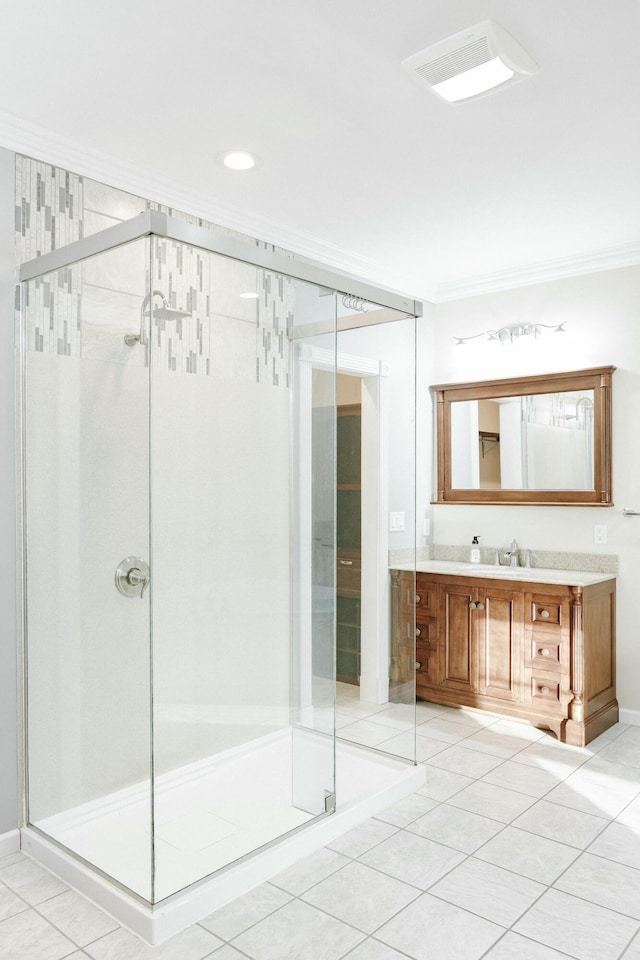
<point x="42" y="144"/>
<point x="49" y="147"/>
<point x="611" y="258"/>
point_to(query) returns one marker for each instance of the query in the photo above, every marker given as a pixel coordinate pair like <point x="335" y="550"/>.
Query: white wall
<point x="8" y="700"/>
<point x="601" y="313"/>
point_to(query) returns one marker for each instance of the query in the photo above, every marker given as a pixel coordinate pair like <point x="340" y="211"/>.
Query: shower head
<point x="169" y="313"/>
<point x="162" y="311"/>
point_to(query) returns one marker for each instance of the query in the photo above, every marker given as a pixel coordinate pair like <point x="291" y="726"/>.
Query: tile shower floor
<point x="517" y="848"/>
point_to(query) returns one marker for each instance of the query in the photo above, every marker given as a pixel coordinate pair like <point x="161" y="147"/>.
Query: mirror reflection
<point x="543" y="441"/>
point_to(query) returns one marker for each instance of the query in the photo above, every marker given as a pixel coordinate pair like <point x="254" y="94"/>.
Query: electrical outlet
<point x="600" y="533"/>
<point x="396" y="521"/>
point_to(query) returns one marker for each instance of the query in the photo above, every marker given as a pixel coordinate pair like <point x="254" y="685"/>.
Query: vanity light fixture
<point x="514" y="332"/>
<point x="250" y="295"/>
<point x="472" y="62"/>
<point x="239" y="160"/>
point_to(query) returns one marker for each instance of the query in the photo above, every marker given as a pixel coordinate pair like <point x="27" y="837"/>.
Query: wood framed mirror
<point x="542" y="439"/>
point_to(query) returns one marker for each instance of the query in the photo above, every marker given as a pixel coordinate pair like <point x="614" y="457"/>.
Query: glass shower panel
<point x="376" y="497"/>
<point x="226" y="562"/>
<point x="313" y="544"/>
<point x="86" y="509"/>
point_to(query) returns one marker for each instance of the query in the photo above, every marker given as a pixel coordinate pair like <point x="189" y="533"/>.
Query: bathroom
<point x="596" y="303"/>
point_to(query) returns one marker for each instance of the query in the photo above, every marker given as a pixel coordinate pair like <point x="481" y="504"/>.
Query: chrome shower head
<point x="169" y="313"/>
<point x="163" y="311"/>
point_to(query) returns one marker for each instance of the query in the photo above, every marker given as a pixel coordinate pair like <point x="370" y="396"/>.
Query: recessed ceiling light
<point x="239" y="160"/>
<point x="249" y="296"/>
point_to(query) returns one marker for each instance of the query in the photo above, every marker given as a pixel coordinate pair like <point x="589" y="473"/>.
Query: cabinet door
<point x="458" y="651"/>
<point x="500" y="638"/>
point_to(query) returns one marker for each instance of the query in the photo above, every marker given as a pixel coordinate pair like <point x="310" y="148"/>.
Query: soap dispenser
<point x="474" y="556"/>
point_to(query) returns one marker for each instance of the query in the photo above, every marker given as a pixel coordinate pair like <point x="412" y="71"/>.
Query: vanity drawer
<point x="423" y="652"/>
<point x="425" y="630"/>
<point x="546" y="654"/>
<point x="545" y="691"/>
<point x="546" y="613"/>
<point x="425" y="598"/>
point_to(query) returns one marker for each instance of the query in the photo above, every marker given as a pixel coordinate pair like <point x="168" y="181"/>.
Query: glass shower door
<point x="242" y="637"/>
<point x="85" y="418"/>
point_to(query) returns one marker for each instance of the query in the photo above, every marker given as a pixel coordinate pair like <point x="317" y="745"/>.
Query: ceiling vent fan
<point x="472" y="63"/>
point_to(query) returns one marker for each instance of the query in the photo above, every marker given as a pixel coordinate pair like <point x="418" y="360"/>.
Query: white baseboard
<point x="9" y="842"/>
<point x="630" y="716"/>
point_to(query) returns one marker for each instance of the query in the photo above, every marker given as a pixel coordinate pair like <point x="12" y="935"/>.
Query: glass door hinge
<point x="329" y="802"/>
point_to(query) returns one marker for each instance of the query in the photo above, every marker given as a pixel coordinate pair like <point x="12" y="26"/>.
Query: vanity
<point x="530" y="643"/>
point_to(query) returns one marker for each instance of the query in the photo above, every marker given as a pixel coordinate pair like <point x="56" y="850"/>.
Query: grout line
<point x="593" y="903"/>
<point x="372" y="937"/>
<point x="419" y="893"/>
<point x="560" y="953"/>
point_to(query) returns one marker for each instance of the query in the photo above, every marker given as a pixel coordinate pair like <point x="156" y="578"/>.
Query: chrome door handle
<point x="133" y="577"/>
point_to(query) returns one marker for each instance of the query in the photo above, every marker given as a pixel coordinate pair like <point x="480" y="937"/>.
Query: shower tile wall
<point x="182" y="274"/>
<point x="88" y="315"/>
<point x="275" y="317"/>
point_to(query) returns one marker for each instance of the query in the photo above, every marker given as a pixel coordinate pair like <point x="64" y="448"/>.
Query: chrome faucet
<point x="512" y="554"/>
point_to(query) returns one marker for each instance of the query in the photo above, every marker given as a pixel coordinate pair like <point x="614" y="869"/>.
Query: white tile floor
<point x="517" y="848"/>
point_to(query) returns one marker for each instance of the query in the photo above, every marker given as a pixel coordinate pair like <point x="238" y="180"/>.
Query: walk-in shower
<point x="179" y="543"/>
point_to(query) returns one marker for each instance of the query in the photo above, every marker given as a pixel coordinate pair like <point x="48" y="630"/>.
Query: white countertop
<point x="571" y="578"/>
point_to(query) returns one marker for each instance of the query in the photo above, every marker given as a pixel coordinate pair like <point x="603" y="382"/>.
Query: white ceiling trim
<point x="47" y="146"/>
<point x="42" y="144"/>
<point x="612" y="258"/>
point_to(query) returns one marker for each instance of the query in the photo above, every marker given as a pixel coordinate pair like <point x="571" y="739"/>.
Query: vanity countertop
<point x="572" y="578"/>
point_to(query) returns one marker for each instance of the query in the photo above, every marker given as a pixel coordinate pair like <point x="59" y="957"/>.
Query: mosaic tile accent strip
<point x="182" y="278"/>
<point x="51" y="212"/>
<point x="49" y="208"/>
<point x="48" y="216"/>
<point x="275" y="319"/>
<point x="52" y="310"/>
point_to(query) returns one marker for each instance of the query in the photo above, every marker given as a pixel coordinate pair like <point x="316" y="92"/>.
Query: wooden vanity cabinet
<point x="541" y="652"/>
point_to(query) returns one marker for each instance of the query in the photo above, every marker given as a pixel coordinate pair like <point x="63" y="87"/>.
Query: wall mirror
<point x="543" y="439"/>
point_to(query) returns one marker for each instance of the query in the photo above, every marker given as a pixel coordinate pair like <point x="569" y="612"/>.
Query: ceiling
<point x="358" y="158"/>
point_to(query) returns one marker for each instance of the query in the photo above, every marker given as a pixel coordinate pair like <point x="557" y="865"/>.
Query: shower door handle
<point x="133" y="577"/>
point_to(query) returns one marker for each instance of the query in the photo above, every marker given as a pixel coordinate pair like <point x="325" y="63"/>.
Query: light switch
<point x="396" y="521"/>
